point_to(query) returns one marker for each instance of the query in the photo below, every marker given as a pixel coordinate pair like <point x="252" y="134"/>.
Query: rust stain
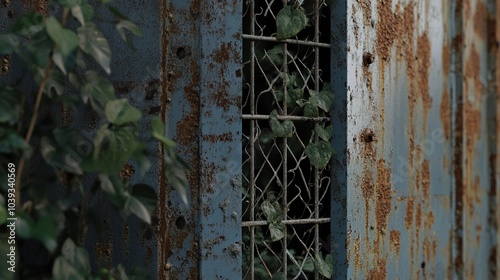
<point x="39" y="6"/>
<point x="213" y="138"/>
<point x="395" y="238"/>
<point x="418" y="216"/>
<point x="473" y="72"/>
<point x="379" y="272"/>
<point x="445" y="113"/>
<point x="424" y="64"/>
<point x="480" y="22"/>
<point x="104" y="252"/>
<point x="425" y="179"/>
<point x="366" y="7"/>
<point x="225" y="53"/>
<point x="164" y="241"/>
<point x="384" y="195"/>
<point x="126" y="172"/>
<point x="409" y="213"/>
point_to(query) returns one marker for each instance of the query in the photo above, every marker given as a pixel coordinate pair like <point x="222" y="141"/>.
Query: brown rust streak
<point x="395" y="238"/>
<point x="384" y="195"/>
<point x="164" y="241"/>
<point x="214" y="138"/>
<point x="445" y="113"/>
<point x="39" y="6"/>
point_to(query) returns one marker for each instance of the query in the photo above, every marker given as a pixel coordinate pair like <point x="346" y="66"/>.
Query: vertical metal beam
<point x="220" y="139"/>
<point x="340" y="168"/>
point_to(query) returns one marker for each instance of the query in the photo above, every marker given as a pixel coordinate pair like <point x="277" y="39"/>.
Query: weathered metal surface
<point x="220" y="139"/>
<point x="418" y="199"/>
<point x="478" y="135"/>
<point x="200" y="61"/>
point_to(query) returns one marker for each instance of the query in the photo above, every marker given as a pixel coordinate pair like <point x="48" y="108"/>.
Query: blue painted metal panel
<point x="220" y="139"/>
<point x="412" y="200"/>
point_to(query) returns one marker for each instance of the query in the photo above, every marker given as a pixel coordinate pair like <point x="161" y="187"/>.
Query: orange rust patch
<point x="380" y="272"/>
<point x="224" y="53"/>
<point x="424" y="64"/>
<point x="480" y="19"/>
<point x="472" y="71"/>
<point x="393" y="27"/>
<point x="409" y="213"/>
<point x="127" y="172"/>
<point x="213" y="138"/>
<point x="430" y="220"/>
<point x="472" y="126"/>
<point x="430" y="248"/>
<point x="395" y="237"/>
<point x="418" y="217"/>
<point x="39" y="6"/>
<point x="384" y="195"/>
<point x="445" y="113"/>
<point x="425" y="179"/>
<point x="366" y="7"/>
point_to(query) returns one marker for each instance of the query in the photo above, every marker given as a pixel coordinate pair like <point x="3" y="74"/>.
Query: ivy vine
<point x="58" y="51"/>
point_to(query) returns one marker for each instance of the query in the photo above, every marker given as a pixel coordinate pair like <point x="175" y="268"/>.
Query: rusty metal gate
<point x="411" y="191"/>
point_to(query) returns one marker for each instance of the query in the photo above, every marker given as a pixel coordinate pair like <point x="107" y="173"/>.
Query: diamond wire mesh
<point x="276" y="170"/>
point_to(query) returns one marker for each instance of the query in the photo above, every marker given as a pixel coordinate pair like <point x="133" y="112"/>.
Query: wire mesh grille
<point x="285" y="198"/>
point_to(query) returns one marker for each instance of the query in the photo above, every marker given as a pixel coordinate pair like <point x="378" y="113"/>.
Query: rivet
<point x="167" y="266"/>
<point x="368" y="135"/>
<point x="368" y="58"/>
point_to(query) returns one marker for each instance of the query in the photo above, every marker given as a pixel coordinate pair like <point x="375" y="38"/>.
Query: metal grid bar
<point x="278" y="169"/>
<point x="288" y="41"/>
<point x="288" y="222"/>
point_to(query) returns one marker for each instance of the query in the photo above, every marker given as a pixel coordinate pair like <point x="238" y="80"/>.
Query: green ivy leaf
<point x="38" y="50"/>
<point x="10" y="105"/>
<point x="324" y="267"/>
<point x="63" y="270"/>
<point x="159" y="132"/>
<point x="76" y="256"/>
<point x="29" y="23"/>
<point x="113" y="147"/>
<point x="176" y="176"/>
<point x="284" y="129"/>
<point x="8" y="43"/>
<point x="275" y="55"/>
<point x="56" y="82"/>
<point x="120" y="112"/>
<point x="43" y="230"/>
<point x="69" y="3"/>
<point x="136" y="207"/>
<point x="3" y="210"/>
<point x="66" y="39"/>
<point x="93" y="43"/>
<point x="290" y="22"/>
<point x="62" y="152"/>
<point x="83" y="12"/>
<point x="127" y="24"/>
<point x="319" y="153"/>
<point x="146" y="195"/>
<point x="141" y="201"/>
<point x="11" y="141"/>
<point x="324" y="133"/>
<point x="273" y="213"/>
<point x="97" y="89"/>
<point x="310" y="110"/>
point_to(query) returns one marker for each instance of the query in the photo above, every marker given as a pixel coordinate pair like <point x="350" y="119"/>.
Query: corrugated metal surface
<point x="416" y="135"/>
<point x="417" y="199"/>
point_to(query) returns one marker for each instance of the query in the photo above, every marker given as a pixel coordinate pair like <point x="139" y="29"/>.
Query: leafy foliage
<point x="290" y="21"/>
<point x="56" y="55"/>
<point x="295" y="93"/>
